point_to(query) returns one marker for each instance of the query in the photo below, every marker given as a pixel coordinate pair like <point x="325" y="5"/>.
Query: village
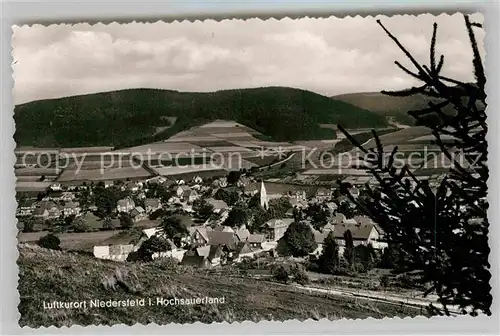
<point x="214" y="221"/>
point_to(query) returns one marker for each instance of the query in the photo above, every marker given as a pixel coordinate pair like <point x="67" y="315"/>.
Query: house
<point x="354" y="192"/>
<point x="132" y="186"/>
<point x="220" y="182"/>
<point x="67" y="196"/>
<point x="186" y="194"/>
<point x="113" y="252"/>
<point x="41" y="213"/>
<point x="152" y="204"/>
<point x="256" y="240"/>
<point x="242" y="234"/>
<point x="138" y="213"/>
<point x="243" y="250"/>
<point x="215" y="254"/>
<point x="243" y="181"/>
<point x="364" y="234"/>
<point x="223" y="228"/>
<point x="278" y="227"/>
<point x="199" y="235"/>
<point x="71" y="208"/>
<point x="297" y="195"/>
<point x="24" y="211"/>
<point x="323" y="194"/>
<point x="55" y="187"/>
<point x="126" y="204"/>
<point x="331" y="207"/>
<point x="227" y="239"/>
<point x="219" y="205"/>
<point x="47" y="210"/>
<point x="196" y="261"/>
<point x="156" y="180"/>
<point x="191" y="196"/>
<point x="181" y="190"/>
<point x="108" y="183"/>
<point x="319" y="238"/>
<point x="340" y="218"/>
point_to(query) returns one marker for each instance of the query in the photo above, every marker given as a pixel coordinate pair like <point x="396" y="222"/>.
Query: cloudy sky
<point x="326" y="55"/>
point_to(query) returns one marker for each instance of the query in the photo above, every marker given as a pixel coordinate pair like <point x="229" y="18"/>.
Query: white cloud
<point x="326" y="55"/>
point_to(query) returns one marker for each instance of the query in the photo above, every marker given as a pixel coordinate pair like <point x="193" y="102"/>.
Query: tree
<point x="319" y="215"/>
<point x="298" y="241"/>
<point x="174" y="229"/>
<point x="68" y="221"/>
<point x="230" y="197"/>
<point x="50" y="241"/>
<point x="280" y="273"/>
<point x="279" y="207"/>
<point x="149" y="247"/>
<point x="108" y="223"/>
<point x="366" y="256"/>
<point x="233" y="177"/>
<point x="80" y="225"/>
<point x="443" y="228"/>
<point x="349" y="248"/>
<point x="329" y="261"/>
<point x="259" y="218"/>
<point x="126" y="221"/>
<point x="237" y="217"/>
<point x="28" y="225"/>
<point x="203" y="209"/>
<point x="299" y="275"/>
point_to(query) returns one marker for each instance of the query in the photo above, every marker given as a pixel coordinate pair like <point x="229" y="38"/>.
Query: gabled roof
<point x="152" y="202"/>
<point x="203" y="251"/>
<point x="125" y="202"/>
<point x="223" y="228"/>
<point x="71" y="205"/>
<point x="319" y="237"/>
<point x="203" y="230"/>
<point x="256" y="238"/>
<point x="217" y="204"/>
<point x="150" y="232"/>
<point x="242" y="234"/>
<point x="359" y="232"/>
<point x="273" y="223"/>
<point x="228" y="239"/>
<point x="215" y="252"/>
<point x="243" y="248"/>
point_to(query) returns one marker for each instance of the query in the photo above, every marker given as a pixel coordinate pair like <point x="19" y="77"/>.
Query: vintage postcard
<point x="251" y="170"/>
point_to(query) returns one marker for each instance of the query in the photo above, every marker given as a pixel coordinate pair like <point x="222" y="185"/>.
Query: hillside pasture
<point x="107" y="174"/>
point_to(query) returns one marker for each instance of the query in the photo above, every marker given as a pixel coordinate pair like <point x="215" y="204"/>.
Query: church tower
<point x="263" y="196"/>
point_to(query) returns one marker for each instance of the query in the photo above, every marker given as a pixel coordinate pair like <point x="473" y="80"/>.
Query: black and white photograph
<point x="251" y="170"/>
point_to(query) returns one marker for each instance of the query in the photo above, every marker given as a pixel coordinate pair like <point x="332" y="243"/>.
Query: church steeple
<point x="263" y="196"/>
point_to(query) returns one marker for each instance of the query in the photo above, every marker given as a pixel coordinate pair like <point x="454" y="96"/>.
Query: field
<point x="84" y="241"/>
<point x="45" y="275"/>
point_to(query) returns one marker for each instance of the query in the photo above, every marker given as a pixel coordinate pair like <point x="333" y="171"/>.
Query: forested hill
<point x="131" y="117"/>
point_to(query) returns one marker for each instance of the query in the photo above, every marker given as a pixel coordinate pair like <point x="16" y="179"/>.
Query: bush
<point x="385" y="281"/>
<point x="80" y="225"/>
<point x="299" y="275"/>
<point x="50" y="241"/>
<point x="281" y="274"/>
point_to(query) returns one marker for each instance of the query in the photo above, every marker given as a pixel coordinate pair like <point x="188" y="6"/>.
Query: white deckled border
<point x="111" y="11"/>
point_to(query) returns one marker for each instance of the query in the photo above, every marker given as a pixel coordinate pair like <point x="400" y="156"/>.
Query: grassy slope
<point x="52" y="275"/>
<point x="129" y="117"/>
<point x="380" y="103"/>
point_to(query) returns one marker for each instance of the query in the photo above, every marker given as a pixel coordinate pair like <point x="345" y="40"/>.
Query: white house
<point x="126" y="204"/>
<point x="152" y="204"/>
<point x="71" y="208"/>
